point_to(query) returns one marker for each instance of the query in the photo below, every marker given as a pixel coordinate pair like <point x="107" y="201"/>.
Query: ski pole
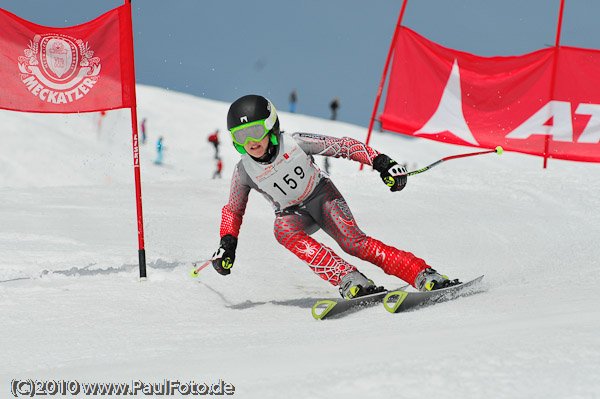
<point x="498" y="150"/>
<point x="196" y="269"/>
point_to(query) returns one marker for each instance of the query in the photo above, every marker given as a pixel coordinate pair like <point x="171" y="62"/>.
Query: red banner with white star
<point x="88" y="67"/>
<point x="550" y="98"/>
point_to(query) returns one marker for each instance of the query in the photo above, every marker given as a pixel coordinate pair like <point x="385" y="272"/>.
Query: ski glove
<point x="224" y="256"/>
<point x="392" y="174"/>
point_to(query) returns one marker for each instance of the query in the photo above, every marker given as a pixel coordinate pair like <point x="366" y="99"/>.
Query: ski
<point x="400" y="300"/>
<point x="331" y="308"/>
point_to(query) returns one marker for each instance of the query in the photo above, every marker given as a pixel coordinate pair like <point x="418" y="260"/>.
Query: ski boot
<point x="355" y="284"/>
<point x="429" y="280"/>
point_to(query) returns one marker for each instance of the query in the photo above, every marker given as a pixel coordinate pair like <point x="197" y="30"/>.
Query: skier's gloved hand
<point x="224" y="256"/>
<point x="392" y="174"/>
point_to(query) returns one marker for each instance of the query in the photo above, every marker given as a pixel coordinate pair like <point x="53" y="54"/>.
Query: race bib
<point x="290" y="178"/>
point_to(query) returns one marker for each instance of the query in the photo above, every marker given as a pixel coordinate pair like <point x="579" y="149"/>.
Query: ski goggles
<point x="254" y="131"/>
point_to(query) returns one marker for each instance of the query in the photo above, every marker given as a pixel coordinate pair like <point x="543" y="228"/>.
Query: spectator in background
<point x="100" y="118"/>
<point x="159" y="151"/>
<point x="334" y="105"/>
<point x="219" y="169"/>
<point x="293" y="99"/>
<point x="214" y="138"/>
<point x="143" y="128"/>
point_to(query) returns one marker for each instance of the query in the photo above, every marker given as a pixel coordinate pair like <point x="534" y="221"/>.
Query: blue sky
<point x="222" y="50"/>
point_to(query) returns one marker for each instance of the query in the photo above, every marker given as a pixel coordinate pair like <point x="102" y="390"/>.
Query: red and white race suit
<point x="306" y="200"/>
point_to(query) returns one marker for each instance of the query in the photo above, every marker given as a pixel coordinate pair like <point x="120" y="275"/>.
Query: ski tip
<point x="321" y="308"/>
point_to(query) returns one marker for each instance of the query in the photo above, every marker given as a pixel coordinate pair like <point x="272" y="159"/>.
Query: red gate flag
<point x="83" y="68"/>
<point x="515" y="102"/>
<point x="88" y="67"/>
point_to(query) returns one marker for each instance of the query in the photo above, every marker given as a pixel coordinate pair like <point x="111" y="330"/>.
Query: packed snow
<point x="73" y="308"/>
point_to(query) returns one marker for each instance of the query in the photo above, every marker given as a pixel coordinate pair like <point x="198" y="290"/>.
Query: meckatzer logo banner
<point x="87" y="67"/>
<point x="58" y="68"/>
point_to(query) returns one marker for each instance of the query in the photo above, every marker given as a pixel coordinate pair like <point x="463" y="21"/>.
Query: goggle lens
<point x="254" y="131"/>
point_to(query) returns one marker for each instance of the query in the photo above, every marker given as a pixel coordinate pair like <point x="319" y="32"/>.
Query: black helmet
<point x="252" y="108"/>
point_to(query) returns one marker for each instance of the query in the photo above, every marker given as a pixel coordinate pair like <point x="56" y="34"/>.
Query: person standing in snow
<point x="281" y="167"/>
<point x="143" y="128"/>
<point x="217" y="172"/>
<point x="100" y="119"/>
<point x="214" y="139"/>
<point x="326" y="165"/>
<point x="293" y="99"/>
<point x="159" y="151"/>
<point x="334" y="105"/>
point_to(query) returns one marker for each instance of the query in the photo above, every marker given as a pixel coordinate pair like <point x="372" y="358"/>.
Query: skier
<point x="214" y="139"/>
<point x="143" y="126"/>
<point x="280" y="166"/>
<point x="159" y="151"/>
<point x="217" y="172"/>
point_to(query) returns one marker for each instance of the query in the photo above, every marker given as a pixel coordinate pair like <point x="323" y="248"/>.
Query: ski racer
<point x="280" y="166"/>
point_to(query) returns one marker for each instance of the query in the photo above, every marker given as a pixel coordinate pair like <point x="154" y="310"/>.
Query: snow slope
<point x="72" y="306"/>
